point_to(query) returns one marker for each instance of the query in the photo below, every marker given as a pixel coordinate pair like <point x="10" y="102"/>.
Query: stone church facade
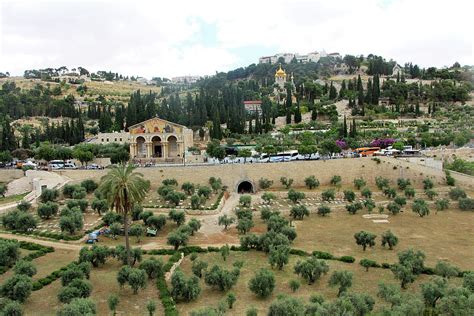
<point x="159" y="140"/>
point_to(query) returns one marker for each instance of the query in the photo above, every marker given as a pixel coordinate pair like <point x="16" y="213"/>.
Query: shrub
<point x="265" y="183"/>
<point x="466" y="204"/>
<point x="457" y="193"/>
<point x="441" y="204"/>
<point x="400" y="200"/>
<point x="366" y="263"/>
<point x="347" y="259"/>
<point x="23" y="206"/>
<point x="294" y="285"/>
<point x="323" y="255"/>
<point x="449" y="179"/>
<point x="78" y="306"/>
<point x="89" y="185"/>
<point x="431" y="194"/>
<point x="170" y="182"/>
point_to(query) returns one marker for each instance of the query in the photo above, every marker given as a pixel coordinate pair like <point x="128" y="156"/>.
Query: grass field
<point x="12" y="198"/>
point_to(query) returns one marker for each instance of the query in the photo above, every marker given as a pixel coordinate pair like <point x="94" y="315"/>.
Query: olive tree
<point x="446" y="270"/>
<point x="226" y="221"/>
<point x="262" y="283"/>
<point x="359" y="183"/>
<point x="279" y="256"/>
<point x="311" y="182"/>
<point x="349" y="195"/>
<point x="184" y="289"/>
<point x="323" y="210"/>
<point x="420" y="207"/>
<point x="299" y="212"/>
<point x="286" y="182"/>
<point x="343" y="279"/>
<point x="389" y="239"/>
<point x="365" y="239"/>
<point x="295" y="196"/>
<point x="311" y="269"/>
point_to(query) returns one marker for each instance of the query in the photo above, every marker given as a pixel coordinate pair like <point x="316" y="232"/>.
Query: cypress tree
<point x="289" y="105"/>
<point x="368" y="96"/>
<point x="376" y="90"/>
<point x="332" y="92"/>
<point x="342" y="92"/>
<point x="344" y="127"/>
<point x="298" y="113"/>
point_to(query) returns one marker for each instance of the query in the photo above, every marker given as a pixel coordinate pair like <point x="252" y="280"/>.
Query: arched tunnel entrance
<point x="245" y="187"/>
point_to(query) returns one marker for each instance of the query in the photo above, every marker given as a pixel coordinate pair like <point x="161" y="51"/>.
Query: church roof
<point x="280" y="72"/>
<point x="155" y="119"/>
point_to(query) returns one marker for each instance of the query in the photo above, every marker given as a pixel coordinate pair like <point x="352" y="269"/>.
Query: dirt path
<point x="209" y="224"/>
<point x="48" y="243"/>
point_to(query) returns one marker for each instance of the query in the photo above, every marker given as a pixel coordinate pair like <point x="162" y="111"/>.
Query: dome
<point x="280" y="73"/>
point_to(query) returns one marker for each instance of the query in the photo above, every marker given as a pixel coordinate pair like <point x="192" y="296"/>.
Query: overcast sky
<point x="172" y="38"/>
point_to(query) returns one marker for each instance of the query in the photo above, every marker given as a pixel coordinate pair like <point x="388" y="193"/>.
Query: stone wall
<point x="232" y="175"/>
<point x="7" y="175"/>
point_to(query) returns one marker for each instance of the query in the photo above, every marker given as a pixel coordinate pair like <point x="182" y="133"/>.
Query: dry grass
<point x="366" y="282"/>
<point x="104" y="283"/>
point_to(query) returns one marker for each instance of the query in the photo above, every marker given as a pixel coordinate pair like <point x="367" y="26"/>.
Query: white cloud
<point x="154" y="38"/>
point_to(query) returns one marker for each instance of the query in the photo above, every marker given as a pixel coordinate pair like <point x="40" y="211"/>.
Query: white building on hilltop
<point x="288" y="57"/>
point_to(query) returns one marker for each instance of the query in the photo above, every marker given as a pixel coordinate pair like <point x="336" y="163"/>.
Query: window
<point x="107" y="140"/>
<point x="120" y="139"/>
<point x="115" y="140"/>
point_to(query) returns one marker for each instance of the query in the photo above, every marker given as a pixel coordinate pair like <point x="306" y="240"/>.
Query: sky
<point x="190" y="37"/>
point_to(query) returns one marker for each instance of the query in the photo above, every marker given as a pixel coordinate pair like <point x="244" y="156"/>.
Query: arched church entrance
<point x="141" y="147"/>
<point x="157" y="147"/>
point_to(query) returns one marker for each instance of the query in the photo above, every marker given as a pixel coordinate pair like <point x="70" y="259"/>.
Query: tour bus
<point x="366" y="151"/>
<point x="284" y="156"/>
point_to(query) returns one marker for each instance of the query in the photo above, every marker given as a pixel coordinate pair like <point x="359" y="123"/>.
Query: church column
<point x="149" y="150"/>
<point x="133" y="150"/>
<point x="165" y="149"/>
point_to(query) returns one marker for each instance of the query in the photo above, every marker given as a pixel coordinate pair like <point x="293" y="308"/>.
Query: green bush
<point x="323" y="255"/>
<point x="347" y="259"/>
<point x="466" y="204"/>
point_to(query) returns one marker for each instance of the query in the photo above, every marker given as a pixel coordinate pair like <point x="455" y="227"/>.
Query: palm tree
<point x="123" y="188"/>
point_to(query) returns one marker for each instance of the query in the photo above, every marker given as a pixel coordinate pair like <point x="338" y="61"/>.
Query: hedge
<point x="40" y="251"/>
<point x="53" y="276"/>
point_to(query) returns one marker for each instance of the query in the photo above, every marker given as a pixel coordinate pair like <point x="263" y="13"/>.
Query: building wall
<point x="107" y="138"/>
<point x="232" y="175"/>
